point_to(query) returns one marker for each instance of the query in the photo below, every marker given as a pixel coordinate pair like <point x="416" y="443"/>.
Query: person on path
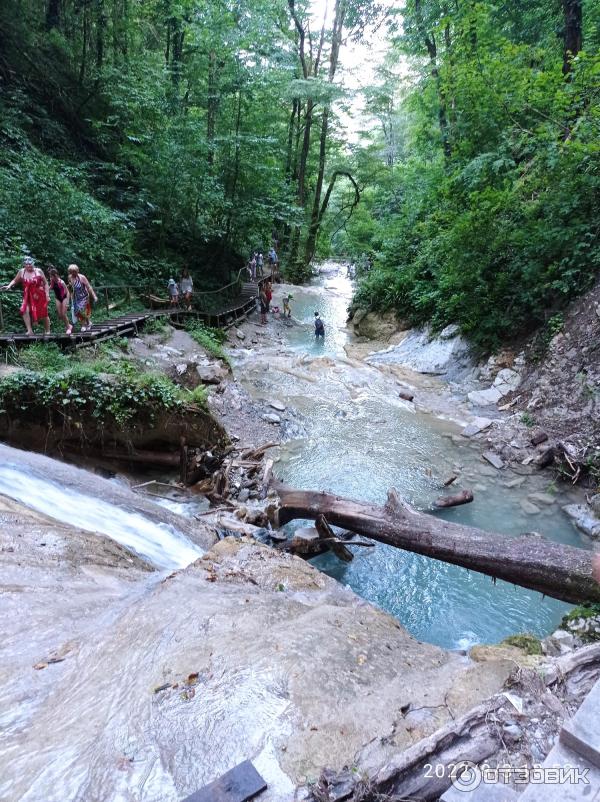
<point x="268" y="293"/>
<point x="252" y="264"/>
<point x="260" y="264"/>
<point x="319" y="326"/>
<point x="186" y="285"/>
<point x="62" y="296"/>
<point x="264" y="304"/>
<point x="287" y="312"/>
<point x="82" y="290"/>
<point x="274" y="263"/>
<point x="36" y="295"/>
<point x="173" y="290"/>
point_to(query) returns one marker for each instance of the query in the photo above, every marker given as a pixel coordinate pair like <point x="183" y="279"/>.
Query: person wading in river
<point x="61" y="297"/>
<point x="36" y="295"/>
<point x="82" y="290"/>
<point x="319" y="326"/>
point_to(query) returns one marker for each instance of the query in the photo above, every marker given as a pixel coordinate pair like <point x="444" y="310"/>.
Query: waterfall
<point x="162" y="544"/>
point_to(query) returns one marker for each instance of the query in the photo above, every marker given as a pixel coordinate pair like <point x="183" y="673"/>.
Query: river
<point x="355" y="437"/>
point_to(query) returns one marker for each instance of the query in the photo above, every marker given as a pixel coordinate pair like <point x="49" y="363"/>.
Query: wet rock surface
<point x="142" y="685"/>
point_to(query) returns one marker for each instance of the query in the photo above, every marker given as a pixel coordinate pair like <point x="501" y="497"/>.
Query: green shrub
<point x="210" y="339"/>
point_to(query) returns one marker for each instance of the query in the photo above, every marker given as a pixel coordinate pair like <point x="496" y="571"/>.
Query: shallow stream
<point x="356" y="437"/>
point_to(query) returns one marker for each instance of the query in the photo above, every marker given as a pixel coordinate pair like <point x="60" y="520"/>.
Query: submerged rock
<point x="584" y="519"/>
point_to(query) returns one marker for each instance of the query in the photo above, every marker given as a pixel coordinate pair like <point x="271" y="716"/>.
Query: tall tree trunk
<point x="211" y="105"/>
<point x="316" y="216"/>
<point x="100" y="31"/>
<point x="573" y="39"/>
<point x="53" y="14"/>
<point x="236" y="168"/>
<point x="430" y="44"/>
<point x="84" y="43"/>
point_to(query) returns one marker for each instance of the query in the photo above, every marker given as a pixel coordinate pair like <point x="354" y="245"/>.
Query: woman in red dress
<point x="36" y="294"/>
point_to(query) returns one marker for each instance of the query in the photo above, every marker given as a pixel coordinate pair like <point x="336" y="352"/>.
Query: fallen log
<point x="474" y="737"/>
<point x="563" y="572"/>
<point x="464" y="497"/>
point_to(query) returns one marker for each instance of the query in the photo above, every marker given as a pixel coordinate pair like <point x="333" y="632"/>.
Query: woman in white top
<point x="186" y="285"/>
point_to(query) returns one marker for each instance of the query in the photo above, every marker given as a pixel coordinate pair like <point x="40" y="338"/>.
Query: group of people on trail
<point x="256" y="265"/>
<point x="265" y="296"/>
<point x="183" y="290"/>
<point x="76" y="292"/>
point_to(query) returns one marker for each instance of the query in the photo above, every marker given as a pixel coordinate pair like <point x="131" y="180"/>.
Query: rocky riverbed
<point x="129" y="677"/>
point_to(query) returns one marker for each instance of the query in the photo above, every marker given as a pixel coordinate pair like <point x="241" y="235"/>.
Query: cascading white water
<point x="162" y="544"/>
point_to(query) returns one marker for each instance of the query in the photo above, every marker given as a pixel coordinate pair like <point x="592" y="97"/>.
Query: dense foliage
<point x="98" y="386"/>
<point x="139" y="137"/>
<point x="482" y="204"/>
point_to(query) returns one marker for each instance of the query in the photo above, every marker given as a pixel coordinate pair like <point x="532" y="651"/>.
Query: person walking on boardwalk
<point x="260" y="263"/>
<point x="173" y="290"/>
<point x="186" y="285"/>
<point x="82" y="290"/>
<point x="36" y="295"/>
<point x="61" y="297"/>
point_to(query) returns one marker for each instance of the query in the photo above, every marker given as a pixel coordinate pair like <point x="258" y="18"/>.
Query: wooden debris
<point x="464" y="497"/>
<point x="237" y="785"/>
<point x="450" y="480"/>
<point x="406" y="396"/>
<point x="557" y="570"/>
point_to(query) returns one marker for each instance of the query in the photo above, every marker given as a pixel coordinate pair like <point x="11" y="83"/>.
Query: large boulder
<point x="375" y="325"/>
<point x="447" y="354"/>
<point x="584" y="519"/>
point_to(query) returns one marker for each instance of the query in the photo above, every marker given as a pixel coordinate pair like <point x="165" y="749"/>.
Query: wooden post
<point x="1" y="315"/>
<point x="106" y="301"/>
<point x="128" y="294"/>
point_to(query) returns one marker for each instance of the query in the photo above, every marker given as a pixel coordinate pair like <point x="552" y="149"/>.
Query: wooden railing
<point x="114" y="297"/>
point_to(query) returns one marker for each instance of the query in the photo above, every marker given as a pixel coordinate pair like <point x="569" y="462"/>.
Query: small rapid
<point x="160" y="543"/>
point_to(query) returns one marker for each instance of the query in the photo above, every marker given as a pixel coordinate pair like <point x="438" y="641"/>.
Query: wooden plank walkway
<point x="222" y="316"/>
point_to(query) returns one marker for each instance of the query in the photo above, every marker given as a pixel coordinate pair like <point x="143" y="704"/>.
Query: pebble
<point x="271" y="417"/>
<point x="512" y="731"/>
<point x="278" y="405"/>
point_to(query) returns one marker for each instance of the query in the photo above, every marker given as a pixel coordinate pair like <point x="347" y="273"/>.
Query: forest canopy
<point x="482" y="199"/>
<point x="136" y="138"/>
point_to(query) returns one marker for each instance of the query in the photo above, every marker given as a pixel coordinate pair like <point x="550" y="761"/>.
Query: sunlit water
<point x="361" y="439"/>
<point x="161" y="544"/>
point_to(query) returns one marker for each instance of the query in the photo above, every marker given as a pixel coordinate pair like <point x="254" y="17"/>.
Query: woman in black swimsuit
<point x="62" y="296"/>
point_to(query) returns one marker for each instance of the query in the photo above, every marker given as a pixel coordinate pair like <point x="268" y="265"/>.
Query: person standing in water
<point x="319" y="326"/>
<point x="36" y="295"/>
<point x="287" y="312"/>
<point x="82" y="290"/>
<point x="62" y="297"/>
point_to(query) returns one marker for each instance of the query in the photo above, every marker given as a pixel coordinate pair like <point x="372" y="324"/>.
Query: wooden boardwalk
<point x="220" y="314"/>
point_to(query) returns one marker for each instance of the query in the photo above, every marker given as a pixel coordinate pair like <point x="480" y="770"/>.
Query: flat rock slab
<point x="582" y="732"/>
<point x="485" y="398"/>
<point x="476" y="426"/>
<point x="278" y="405"/>
<point x="493" y="459"/>
<point x="241" y="783"/>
